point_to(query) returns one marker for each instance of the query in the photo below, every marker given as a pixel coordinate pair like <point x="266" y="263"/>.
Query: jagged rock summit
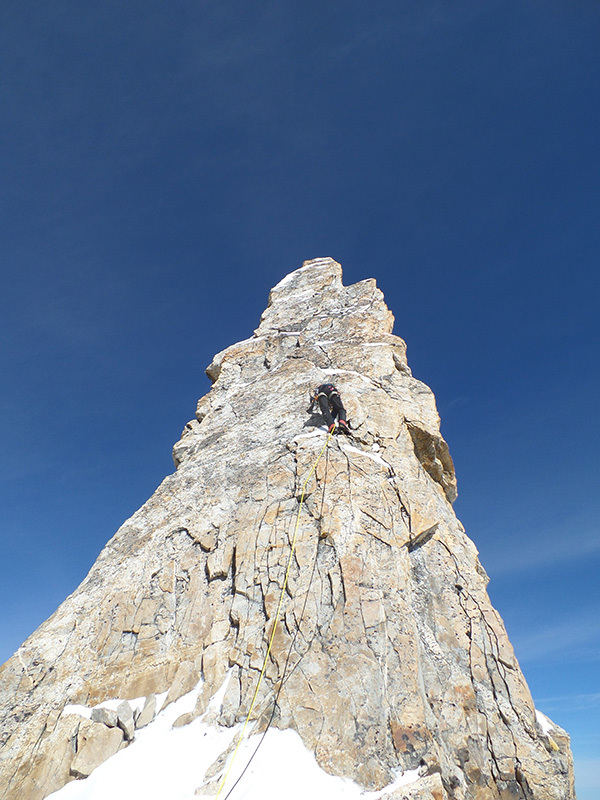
<point x="395" y="661"/>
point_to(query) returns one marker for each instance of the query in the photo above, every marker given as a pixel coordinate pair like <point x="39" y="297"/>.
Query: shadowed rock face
<point x="396" y="657"/>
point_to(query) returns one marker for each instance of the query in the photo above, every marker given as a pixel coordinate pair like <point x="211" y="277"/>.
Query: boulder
<point x="95" y="744"/>
<point x="147" y="713"/>
<point x="106" y="716"/>
<point x="125" y="720"/>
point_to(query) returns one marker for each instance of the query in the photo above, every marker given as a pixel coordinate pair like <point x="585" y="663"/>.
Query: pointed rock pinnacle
<point x="388" y="656"/>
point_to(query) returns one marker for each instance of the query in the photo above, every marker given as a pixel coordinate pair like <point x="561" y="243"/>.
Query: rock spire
<point x="396" y="660"/>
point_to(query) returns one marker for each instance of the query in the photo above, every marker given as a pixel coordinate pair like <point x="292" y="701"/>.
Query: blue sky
<point x="164" y="164"/>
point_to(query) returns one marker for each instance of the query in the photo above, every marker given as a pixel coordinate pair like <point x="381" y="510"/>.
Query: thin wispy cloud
<point x="160" y="179"/>
<point x="573" y="701"/>
<point x="576" y="636"/>
<point x="545" y="549"/>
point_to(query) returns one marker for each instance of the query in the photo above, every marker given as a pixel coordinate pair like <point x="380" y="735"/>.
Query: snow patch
<point x="315" y="262"/>
<point x="166" y="762"/>
<point x="373" y="456"/>
<point x="136" y="704"/>
<point x="286" y="279"/>
<point x="317" y="432"/>
<point x="545" y="724"/>
<point x="283" y="766"/>
<point x="403" y="779"/>
<point x="162" y="761"/>
<point x="73" y="708"/>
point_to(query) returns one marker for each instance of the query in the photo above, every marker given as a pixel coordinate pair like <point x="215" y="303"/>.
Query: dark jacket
<point x="330" y="403"/>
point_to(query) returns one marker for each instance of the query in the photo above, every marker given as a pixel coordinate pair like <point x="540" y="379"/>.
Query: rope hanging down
<point x="284" y="675"/>
<point x="277" y="615"/>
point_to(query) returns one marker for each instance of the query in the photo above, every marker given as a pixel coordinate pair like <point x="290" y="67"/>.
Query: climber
<point x="330" y="403"/>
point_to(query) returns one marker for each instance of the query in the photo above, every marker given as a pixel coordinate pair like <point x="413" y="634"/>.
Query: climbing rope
<point x="272" y="636"/>
<point x="284" y="675"/>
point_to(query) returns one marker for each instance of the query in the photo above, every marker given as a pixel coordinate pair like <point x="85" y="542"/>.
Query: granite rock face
<point x="397" y="659"/>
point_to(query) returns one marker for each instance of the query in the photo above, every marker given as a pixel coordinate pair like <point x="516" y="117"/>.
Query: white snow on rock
<point x="316" y="432"/>
<point x="314" y="262"/>
<point x="82" y="711"/>
<point x="544" y="722"/>
<point x="373" y="456"/>
<point x="136" y="705"/>
<point x="166" y="762"/>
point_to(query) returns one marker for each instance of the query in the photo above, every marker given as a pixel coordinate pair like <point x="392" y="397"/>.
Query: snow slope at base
<point x="166" y="762"/>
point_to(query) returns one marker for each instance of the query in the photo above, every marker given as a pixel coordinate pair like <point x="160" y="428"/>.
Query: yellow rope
<point x="283" y="589"/>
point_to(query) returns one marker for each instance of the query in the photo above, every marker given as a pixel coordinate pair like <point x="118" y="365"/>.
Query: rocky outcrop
<point x="96" y="744"/>
<point x="396" y="659"/>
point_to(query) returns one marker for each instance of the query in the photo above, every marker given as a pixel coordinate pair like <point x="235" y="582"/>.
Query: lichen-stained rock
<point x="395" y="658"/>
